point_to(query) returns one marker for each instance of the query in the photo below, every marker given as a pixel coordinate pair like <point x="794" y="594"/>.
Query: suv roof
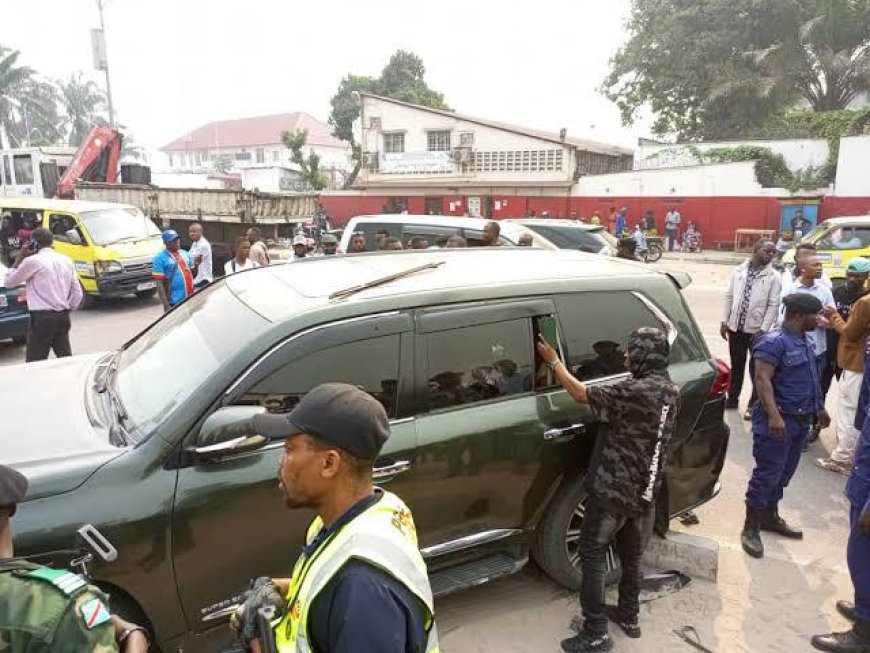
<point x="311" y="281"/>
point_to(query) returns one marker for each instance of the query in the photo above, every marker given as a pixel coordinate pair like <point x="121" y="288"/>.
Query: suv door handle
<point x="564" y="434"/>
<point x="392" y="470"/>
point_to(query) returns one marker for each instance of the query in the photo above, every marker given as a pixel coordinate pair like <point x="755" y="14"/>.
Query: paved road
<point x="770" y="605"/>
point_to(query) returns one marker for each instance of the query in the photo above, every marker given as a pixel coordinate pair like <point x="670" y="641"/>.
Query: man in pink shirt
<point x="53" y="290"/>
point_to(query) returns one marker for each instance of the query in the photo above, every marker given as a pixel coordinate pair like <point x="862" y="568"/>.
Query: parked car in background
<point x="837" y="241"/>
<point x="436" y="229"/>
<point x="570" y="234"/>
<point x="486" y="449"/>
<point x="14" y="318"/>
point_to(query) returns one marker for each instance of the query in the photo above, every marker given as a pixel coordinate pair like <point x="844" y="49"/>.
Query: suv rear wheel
<point x="557" y="545"/>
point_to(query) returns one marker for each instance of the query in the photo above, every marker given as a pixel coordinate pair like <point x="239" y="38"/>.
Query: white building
<point x="233" y="145"/>
<point x="852" y="177"/>
<point x="799" y="153"/>
<point x="410" y="149"/>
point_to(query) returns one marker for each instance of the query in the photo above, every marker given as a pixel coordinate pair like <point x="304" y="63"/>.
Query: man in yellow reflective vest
<point x="360" y="584"/>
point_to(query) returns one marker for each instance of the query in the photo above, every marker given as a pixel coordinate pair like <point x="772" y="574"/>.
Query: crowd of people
<point x="787" y="326"/>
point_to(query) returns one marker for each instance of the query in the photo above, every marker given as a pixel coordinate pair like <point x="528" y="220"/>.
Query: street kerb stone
<point x="693" y="555"/>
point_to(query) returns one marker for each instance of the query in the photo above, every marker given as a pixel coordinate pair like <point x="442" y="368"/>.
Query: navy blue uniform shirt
<point x="363" y="609"/>
<point x="796" y="386"/>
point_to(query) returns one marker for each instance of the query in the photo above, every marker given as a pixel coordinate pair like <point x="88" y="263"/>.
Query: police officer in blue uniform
<point x="856" y="640"/>
<point x="790" y="396"/>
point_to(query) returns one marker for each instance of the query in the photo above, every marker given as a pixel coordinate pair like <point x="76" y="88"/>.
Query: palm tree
<point x="82" y="101"/>
<point x="823" y="59"/>
<point x="28" y="106"/>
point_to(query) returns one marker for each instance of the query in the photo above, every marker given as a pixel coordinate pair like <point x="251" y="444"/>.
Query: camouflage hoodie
<point x="641" y="412"/>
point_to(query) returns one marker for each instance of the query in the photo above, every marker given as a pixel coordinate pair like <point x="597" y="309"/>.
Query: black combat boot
<point x="772" y="522"/>
<point x="856" y="640"/>
<point x="750" y="538"/>
<point x="847" y="610"/>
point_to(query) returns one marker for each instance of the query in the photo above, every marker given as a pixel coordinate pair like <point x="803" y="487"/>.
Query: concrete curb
<point x="693" y="555"/>
<point x="701" y="258"/>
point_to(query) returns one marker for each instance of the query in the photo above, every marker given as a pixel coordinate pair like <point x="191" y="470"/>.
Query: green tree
<point x="83" y="102"/>
<point x="28" y="106"/>
<point x="403" y="78"/>
<point x="309" y="164"/>
<point x="721" y="68"/>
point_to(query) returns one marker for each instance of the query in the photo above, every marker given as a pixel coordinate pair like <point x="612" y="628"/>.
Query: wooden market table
<point x="753" y="236"/>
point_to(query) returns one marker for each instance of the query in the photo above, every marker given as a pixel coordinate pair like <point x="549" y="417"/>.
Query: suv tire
<point x="556" y="547"/>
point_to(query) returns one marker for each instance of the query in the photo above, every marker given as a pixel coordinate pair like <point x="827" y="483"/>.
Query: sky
<point x="178" y="64"/>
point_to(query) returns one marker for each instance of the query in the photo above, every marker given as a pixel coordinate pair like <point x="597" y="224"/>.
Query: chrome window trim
<point x="660" y="315"/>
<point x="253" y="367"/>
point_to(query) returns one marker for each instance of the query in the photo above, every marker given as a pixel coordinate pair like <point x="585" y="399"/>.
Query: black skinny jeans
<point x="629" y="536"/>
<point x="740" y="347"/>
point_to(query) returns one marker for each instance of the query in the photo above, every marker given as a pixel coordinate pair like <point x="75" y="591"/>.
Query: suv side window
<point x="847" y="238"/>
<point x="372" y="364"/>
<point x="371" y="229"/>
<point x="595" y="330"/>
<point x="478" y="363"/>
<point x="436" y="236"/>
<point x="474" y="238"/>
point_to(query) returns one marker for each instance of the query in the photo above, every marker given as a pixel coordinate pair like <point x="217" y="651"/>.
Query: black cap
<point x="802" y="304"/>
<point x="335" y="413"/>
<point x="13" y="487"/>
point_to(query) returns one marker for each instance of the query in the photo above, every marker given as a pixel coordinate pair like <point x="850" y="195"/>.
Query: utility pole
<point x="104" y="64"/>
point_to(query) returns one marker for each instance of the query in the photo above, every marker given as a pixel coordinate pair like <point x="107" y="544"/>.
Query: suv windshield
<point x="566" y="237"/>
<point x="170" y="361"/>
<point x="108" y="226"/>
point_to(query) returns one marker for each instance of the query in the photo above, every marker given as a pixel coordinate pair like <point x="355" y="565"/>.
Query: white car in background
<point x="434" y="228"/>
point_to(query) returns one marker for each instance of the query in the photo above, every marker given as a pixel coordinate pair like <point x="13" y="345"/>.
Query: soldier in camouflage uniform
<point x="623" y="486"/>
<point x="44" y="609"/>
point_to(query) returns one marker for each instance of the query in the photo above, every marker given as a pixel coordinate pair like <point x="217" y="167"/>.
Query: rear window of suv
<point x="595" y="330"/>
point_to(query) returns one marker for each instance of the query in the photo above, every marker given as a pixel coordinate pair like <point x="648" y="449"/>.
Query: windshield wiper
<point x="105" y="385"/>
<point x="380" y="281"/>
<point x="111" y="366"/>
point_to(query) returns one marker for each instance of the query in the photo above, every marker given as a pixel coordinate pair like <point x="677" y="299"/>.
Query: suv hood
<point x="46" y="433"/>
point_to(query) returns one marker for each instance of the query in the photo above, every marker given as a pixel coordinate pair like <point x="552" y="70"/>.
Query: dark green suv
<point x="152" y="444"/>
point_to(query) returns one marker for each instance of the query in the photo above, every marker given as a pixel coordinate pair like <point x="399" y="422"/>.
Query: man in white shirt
<point x="53" y="290"/>
<point x="672" y="225"/>
<point x="200" y="252"/>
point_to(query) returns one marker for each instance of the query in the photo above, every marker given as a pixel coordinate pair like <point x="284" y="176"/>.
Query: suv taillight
<point x="723" y="379"/>
<point x="22" y="298"/>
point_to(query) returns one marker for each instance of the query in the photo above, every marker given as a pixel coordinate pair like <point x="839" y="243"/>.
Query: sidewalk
<point x="707" y="256"/>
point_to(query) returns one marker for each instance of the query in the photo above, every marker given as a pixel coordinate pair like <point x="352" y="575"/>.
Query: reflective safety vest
<point x="384" y="536"/>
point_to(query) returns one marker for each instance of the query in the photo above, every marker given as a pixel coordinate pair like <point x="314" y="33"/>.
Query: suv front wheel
<point x="557" y="545"/>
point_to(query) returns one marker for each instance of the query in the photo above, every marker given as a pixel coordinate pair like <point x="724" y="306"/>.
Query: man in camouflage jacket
<point x="44" y="609"/>
<point x="623" y="485"/>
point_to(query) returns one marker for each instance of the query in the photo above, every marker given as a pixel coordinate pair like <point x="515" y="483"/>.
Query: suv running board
<point x="476" y="572"/>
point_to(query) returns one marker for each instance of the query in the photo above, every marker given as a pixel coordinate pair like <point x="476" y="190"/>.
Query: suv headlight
<point x="107" y="267"/>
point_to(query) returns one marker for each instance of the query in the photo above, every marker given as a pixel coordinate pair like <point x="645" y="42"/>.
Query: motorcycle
<point x="652" y="252"/>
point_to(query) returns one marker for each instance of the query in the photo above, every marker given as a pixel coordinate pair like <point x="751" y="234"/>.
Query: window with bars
<point x="519" y="161"/>
<point x="438" y="141"/>
<point x="394" y="142"/>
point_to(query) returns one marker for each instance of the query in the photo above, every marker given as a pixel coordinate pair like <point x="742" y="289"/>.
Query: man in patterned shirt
<point x="641" y="412"/>
<point x="751" y="307"/>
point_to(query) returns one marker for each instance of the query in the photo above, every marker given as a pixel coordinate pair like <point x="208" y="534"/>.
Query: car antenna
<point x="380" y="281"/>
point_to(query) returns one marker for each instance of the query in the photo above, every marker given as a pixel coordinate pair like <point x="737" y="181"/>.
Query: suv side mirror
<point x="228" y="431"/>
<point x="73" y="237"/>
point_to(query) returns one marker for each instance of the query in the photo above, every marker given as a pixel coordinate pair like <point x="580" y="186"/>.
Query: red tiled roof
<point x="251" y="132"/>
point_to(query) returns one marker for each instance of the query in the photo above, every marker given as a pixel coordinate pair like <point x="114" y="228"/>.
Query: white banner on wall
<point x="410" y="163"/>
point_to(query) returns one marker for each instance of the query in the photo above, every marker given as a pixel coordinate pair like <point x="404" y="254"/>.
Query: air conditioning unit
<point x="461" y="155"/>
<point x="370" y="160"/>
<point x="374" y="122"/>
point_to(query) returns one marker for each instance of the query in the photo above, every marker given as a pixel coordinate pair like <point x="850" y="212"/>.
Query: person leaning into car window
<point x="44" y="609"/>
<point x="622" y="489"/>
